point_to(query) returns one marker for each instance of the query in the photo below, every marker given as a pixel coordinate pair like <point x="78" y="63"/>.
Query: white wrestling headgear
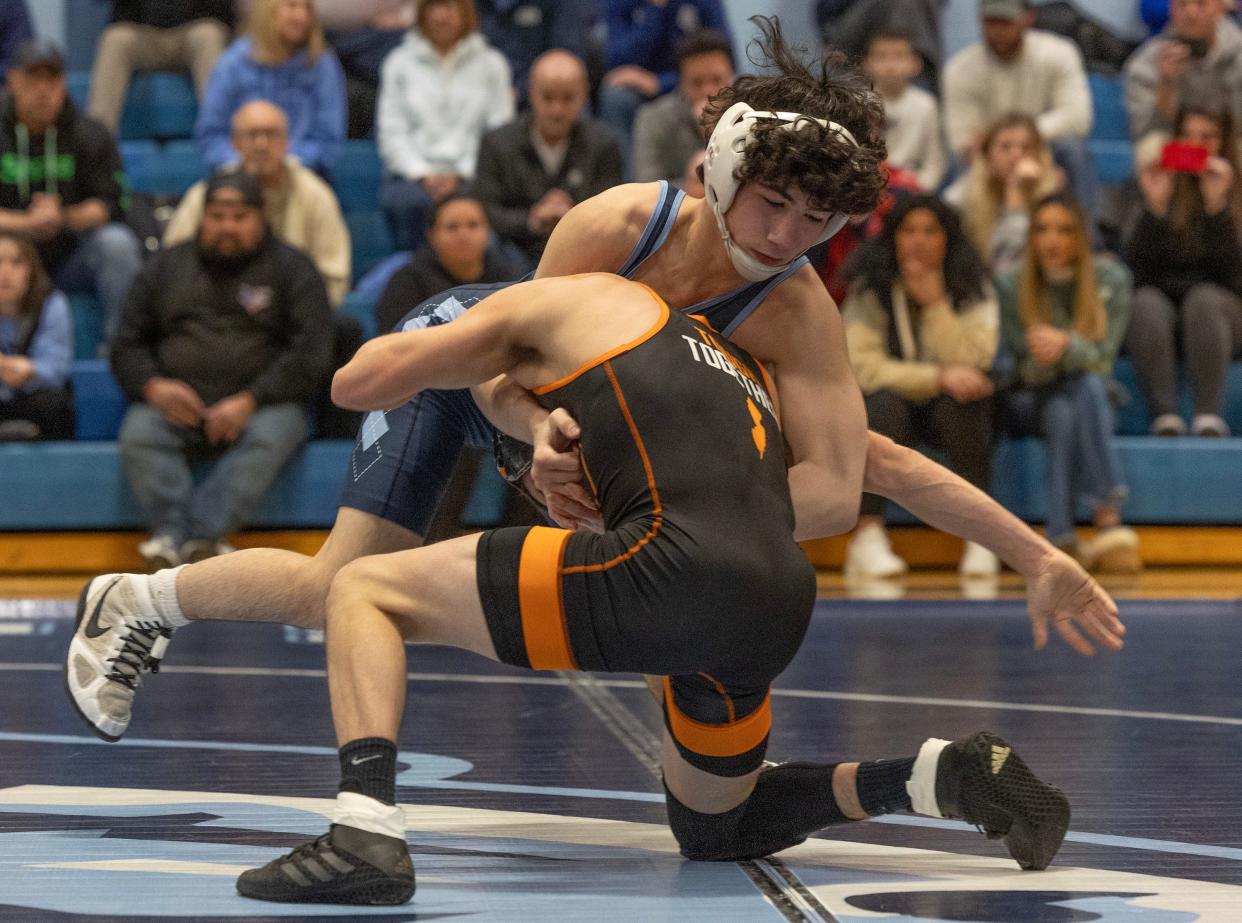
<point x="725" y="151"/>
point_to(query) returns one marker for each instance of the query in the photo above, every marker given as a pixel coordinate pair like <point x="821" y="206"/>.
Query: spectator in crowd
<point x="1063" y="317"/>
<point x="912" y="114"/>
<point x="300" y="207"/>
<point x="441" y="91"/>
<point x="831" y="259"/>
<point x="15" y="31"/>
<point x="284" y="59"/>
<point x="1028" y="71"/>
<point x="456" y="253"/>
<point x="849" y="25"/>
<point x="234" y="291"/>
<point x="667" y="130"/>
<point x="1197" y="57"/>
<point x="64" y="185"/>
<point x="36" y="347"/>
<point x="1014" y="170"/>
<point x="536" y="168"/>
<point x="156" y="35"/>
<point x="363" y="33"/>
<point x="922" y="328"/>
<point x="641" y="57"/>
<point x="1187" y="263"/>
<point x="525" y="29"/>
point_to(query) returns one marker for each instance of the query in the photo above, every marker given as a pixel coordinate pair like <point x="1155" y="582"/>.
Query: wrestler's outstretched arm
<point x="1059" y="591"/>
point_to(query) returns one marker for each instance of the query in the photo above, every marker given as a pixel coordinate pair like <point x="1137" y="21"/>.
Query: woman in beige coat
<point x="921" y="323"/>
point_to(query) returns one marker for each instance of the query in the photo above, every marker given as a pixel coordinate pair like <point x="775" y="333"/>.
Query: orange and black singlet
<point x="697" y="573"/>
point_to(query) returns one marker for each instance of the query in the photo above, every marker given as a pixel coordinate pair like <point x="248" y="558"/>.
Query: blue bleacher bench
<point x="81" y="485"/>
<point x="357" y="175"/>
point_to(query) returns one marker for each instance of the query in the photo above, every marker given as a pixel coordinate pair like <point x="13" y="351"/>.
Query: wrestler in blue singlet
<point x="403" y="458"/>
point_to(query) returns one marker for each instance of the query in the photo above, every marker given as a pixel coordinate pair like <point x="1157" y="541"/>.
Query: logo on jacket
<point x="254" y="299"/>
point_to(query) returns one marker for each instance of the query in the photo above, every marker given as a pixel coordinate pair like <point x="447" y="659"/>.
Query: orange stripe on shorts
<point x="539" y="595"/>
<point x="731" y="739"/>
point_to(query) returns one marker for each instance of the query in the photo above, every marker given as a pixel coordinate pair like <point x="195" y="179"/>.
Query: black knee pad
<point x="789" y="803"/>
<point x="704" y="837"/>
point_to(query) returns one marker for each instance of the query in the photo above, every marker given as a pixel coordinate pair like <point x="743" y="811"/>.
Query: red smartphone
<point x="1184" y="158"/>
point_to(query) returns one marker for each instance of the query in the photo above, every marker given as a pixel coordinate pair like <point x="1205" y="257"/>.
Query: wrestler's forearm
<point x="945" y="501"/>
<point x="510" y="407"/>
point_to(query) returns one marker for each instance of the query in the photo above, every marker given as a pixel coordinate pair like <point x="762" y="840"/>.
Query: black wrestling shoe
<point x="980" y="780"/>
<point x="344" y="866"/>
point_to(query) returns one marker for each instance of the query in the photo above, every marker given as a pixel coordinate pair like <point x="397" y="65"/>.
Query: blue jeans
<point x="104" y="264"/>
<point x="1075" y="416"/>
<point x="406" y="205"/>
<point x="157" y="456"/>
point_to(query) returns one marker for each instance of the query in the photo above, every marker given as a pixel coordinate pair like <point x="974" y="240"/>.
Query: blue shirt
<point x="311" y="95"/>
<point x="51" y="349"/>
<point x="525" y="29"/>
<point x="647" y="35"/>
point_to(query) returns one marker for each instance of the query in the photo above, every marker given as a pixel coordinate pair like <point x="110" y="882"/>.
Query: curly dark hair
<point x="834" y="174"/>
<point x="874" y="265"/>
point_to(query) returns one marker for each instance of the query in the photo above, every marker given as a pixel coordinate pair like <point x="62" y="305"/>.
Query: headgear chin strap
<point x="726" y="149"/>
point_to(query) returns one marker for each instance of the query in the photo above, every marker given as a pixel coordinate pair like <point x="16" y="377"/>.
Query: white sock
<point x="922" y="784"/>
<point x="163" y="588"/>
<point x="363" y="813"/>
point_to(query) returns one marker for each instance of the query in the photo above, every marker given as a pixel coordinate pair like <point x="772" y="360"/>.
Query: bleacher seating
<point x="370" y="238"/>
<point x="357" y="175"/>
<point x="1110" y="132"/>
<point x="81" y="485"/>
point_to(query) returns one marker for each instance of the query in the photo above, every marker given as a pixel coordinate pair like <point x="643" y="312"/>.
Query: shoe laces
<point x="308" y="850"/>
<point x="142" y="649"/>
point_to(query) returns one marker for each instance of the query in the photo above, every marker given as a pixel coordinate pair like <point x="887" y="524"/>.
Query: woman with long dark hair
<point x="1063" y="316"/>
<point x="921" y="324"/>
<point x="36" y="347"/>
<point x="1187" y="261"/>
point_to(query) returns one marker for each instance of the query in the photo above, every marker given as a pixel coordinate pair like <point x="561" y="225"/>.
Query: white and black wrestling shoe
<point x="117" y="637"/>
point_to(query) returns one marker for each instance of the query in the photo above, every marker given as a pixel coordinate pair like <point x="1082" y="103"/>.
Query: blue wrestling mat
<point x="533" y="796"/>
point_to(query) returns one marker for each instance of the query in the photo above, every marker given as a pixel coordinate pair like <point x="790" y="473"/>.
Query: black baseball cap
<point x="247" y="186"/>
<point x="39" y="53"/>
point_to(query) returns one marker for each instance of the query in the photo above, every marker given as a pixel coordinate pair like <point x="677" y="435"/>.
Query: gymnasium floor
<point x="534" y="796"/>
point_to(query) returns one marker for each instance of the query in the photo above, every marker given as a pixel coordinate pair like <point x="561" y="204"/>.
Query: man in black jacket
<point x="156" y="35"/>
<point x="223" y="342"/>
<point x="61" y="183"/>
<point x="539" y="166"/>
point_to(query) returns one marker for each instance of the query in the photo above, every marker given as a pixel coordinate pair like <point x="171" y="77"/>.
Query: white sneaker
<point x="870" y="555"/>
<point x="118" y="635"/>
<point x="160" y="551"/>
<point x="1209" y="424"/>
<point x="978" y="561"/>
<point x="1168" y="424"/>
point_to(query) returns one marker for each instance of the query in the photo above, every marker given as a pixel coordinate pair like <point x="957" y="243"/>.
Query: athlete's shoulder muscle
<point x="598" y="234"/>
<point x="795" y="316"/>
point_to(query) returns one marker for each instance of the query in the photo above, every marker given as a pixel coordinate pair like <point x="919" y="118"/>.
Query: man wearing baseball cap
<point x="61" y="182"/>
<point x="1020" y="69"/>
<point x="224" y="341"/>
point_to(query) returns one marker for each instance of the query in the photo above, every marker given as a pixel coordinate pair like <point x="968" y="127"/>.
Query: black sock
<point x="882" y="786"/>
<point x="369" y="767"/>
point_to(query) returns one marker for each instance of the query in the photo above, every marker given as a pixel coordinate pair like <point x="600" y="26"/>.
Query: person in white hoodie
<point x="440" y="91"/>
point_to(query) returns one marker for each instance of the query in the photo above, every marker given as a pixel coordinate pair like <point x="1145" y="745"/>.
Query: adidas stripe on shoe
<point x="344" y="866"/>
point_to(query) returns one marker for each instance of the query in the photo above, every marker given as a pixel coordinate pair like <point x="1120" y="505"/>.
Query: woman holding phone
<point x="1187" y="263"/>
